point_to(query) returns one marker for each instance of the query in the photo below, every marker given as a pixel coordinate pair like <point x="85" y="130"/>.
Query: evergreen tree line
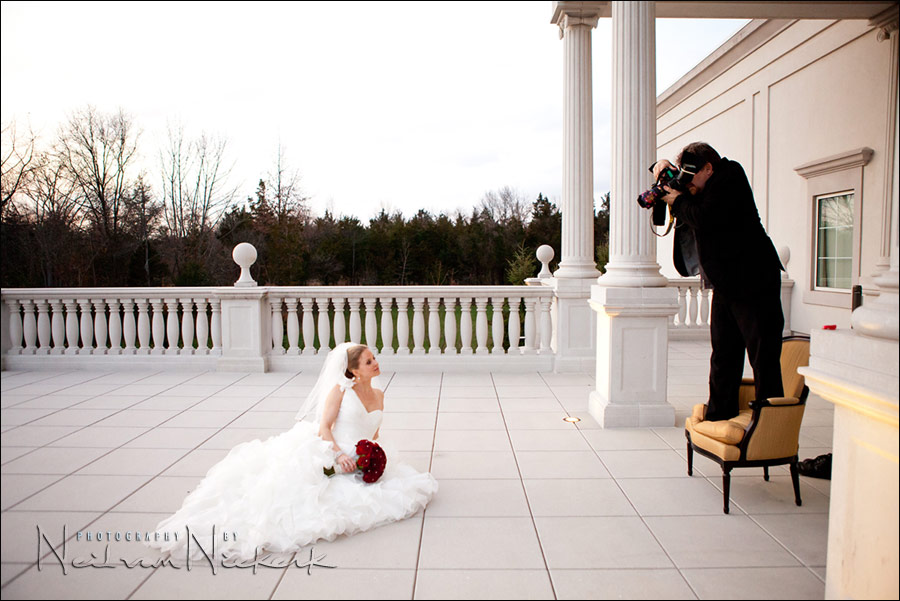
<point x="73" y="215"/>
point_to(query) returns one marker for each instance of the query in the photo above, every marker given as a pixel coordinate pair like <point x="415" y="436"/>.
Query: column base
<point x="577" y="271"/>
<point x="633" y="275"/>
<point x="632" y="356"/>
<point x="641" y="415"/>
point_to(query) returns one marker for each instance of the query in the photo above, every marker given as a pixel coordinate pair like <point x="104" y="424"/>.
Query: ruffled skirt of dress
<point x="274" y="496"/>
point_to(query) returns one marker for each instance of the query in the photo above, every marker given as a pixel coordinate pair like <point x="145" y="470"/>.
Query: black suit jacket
<point x="735" y="254"/>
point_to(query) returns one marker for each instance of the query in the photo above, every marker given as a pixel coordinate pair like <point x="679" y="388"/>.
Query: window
<point x="834" y="197"/>
<point x="834" y="241"/>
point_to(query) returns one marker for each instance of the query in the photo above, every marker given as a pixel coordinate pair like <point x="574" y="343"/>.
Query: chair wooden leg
<point x="690" y="453"/>
<point x="726" y="487"/>
<point x="766" y="473"/>
<point x="795" y="478"/>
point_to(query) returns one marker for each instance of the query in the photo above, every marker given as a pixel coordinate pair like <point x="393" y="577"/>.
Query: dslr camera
<point x="677" y="180"/>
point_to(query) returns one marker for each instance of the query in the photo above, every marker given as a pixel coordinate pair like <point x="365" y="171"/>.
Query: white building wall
<point x="778" y="95"/>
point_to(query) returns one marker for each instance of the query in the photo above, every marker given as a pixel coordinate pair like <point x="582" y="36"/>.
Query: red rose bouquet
<point x="370" y="459"/>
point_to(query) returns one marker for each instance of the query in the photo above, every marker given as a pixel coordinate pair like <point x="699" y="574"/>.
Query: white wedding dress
<point x="274" y="496"/>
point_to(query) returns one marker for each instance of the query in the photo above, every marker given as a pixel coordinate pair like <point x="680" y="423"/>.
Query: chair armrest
<point x="775" y="401"/>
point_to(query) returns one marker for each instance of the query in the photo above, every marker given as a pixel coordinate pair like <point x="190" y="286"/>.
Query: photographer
<point x="737" y="258"/>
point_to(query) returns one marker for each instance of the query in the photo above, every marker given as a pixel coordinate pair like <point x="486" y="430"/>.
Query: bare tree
<point x="17" y="165"/>
<point x="288" y="200"/>
<point x="505" y="205"/>
<point x="97" y="150"/>
<point x="195" y="193"/>
<point x="55" y="209"/>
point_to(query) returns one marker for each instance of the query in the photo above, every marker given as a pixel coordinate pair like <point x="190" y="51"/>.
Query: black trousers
<point x="753" y="324"/>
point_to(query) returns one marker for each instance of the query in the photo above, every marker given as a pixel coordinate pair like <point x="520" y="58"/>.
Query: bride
<point x="273" y="496"/>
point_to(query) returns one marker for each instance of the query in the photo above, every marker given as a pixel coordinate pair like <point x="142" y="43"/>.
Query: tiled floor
<point x="529" y="506"/>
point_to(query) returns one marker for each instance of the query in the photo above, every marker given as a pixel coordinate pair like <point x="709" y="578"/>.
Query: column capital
<point x="570" y="14"/>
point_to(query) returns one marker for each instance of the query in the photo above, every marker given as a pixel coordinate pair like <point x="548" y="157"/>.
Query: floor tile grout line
<point x="109" y="510"/>
<point x="638" y="514"/>
<point x="537" y="533"/>
<point x="281" y="578"/>
<point x="45" y="445"/>
<point x="437" y="413"/>
<point x="60" y="409"/>
<point x="50" y="376"/>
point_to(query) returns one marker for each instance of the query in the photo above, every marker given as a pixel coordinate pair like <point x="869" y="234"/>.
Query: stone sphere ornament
<point x="244" y="254"/>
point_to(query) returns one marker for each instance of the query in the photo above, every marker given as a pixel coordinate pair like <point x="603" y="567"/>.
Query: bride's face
<point x="368" y="366"/>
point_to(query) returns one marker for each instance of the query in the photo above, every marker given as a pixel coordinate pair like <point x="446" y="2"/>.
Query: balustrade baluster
<point x="309" y="326"/>
<point x="115" y="326"/>
<point x="371" y="325"/>
<point x="514" y="326"/>
<point x="58" y="328"/>
<point x="43" y="327"/>
<point x="277" y="326"/>
<point x="340" y="327"/>
<point x="450" y="325"/>
<point x="434" y="325"/>
<point x="87" y="327"/>
<point x="465" y="326"/>
<point x="530" y="337"/>
<point x="215" y="328"/>
<point x="29" y="327"/>
<point x="202" y="326"/>
<point x="481" y="327"/>
<point x="402" y="326"/>
<point x="497" y="325"/>
<point x="387" y="326"/>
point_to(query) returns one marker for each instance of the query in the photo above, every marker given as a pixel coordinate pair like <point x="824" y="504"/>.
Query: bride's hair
<point x="353" y="356"/>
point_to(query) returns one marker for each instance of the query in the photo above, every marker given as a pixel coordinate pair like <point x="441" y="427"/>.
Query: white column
<point x="324" y="325"/>
<point x="632" y="246"/>
<point x="577" y="261"/>
<point x="514" y="325"/>
<point x="340" y="329"/>
<point x="481" y="325"/>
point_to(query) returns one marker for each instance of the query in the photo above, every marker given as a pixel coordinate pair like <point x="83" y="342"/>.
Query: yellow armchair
<point x="766" y="432"/>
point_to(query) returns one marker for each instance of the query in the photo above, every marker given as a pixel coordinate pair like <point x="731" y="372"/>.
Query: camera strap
<point x="668" y="227"/>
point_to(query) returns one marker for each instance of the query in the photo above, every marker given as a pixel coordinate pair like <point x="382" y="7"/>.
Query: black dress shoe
<point x="819" y="467"/>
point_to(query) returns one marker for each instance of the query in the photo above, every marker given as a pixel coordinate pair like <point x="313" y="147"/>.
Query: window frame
<point x="833" y="176"/>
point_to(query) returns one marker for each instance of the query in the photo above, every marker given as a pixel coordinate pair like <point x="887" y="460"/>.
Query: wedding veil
<point x="332" y="374"/>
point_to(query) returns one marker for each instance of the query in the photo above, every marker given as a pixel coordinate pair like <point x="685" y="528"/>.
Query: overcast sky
<point x="402" y="105"/>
